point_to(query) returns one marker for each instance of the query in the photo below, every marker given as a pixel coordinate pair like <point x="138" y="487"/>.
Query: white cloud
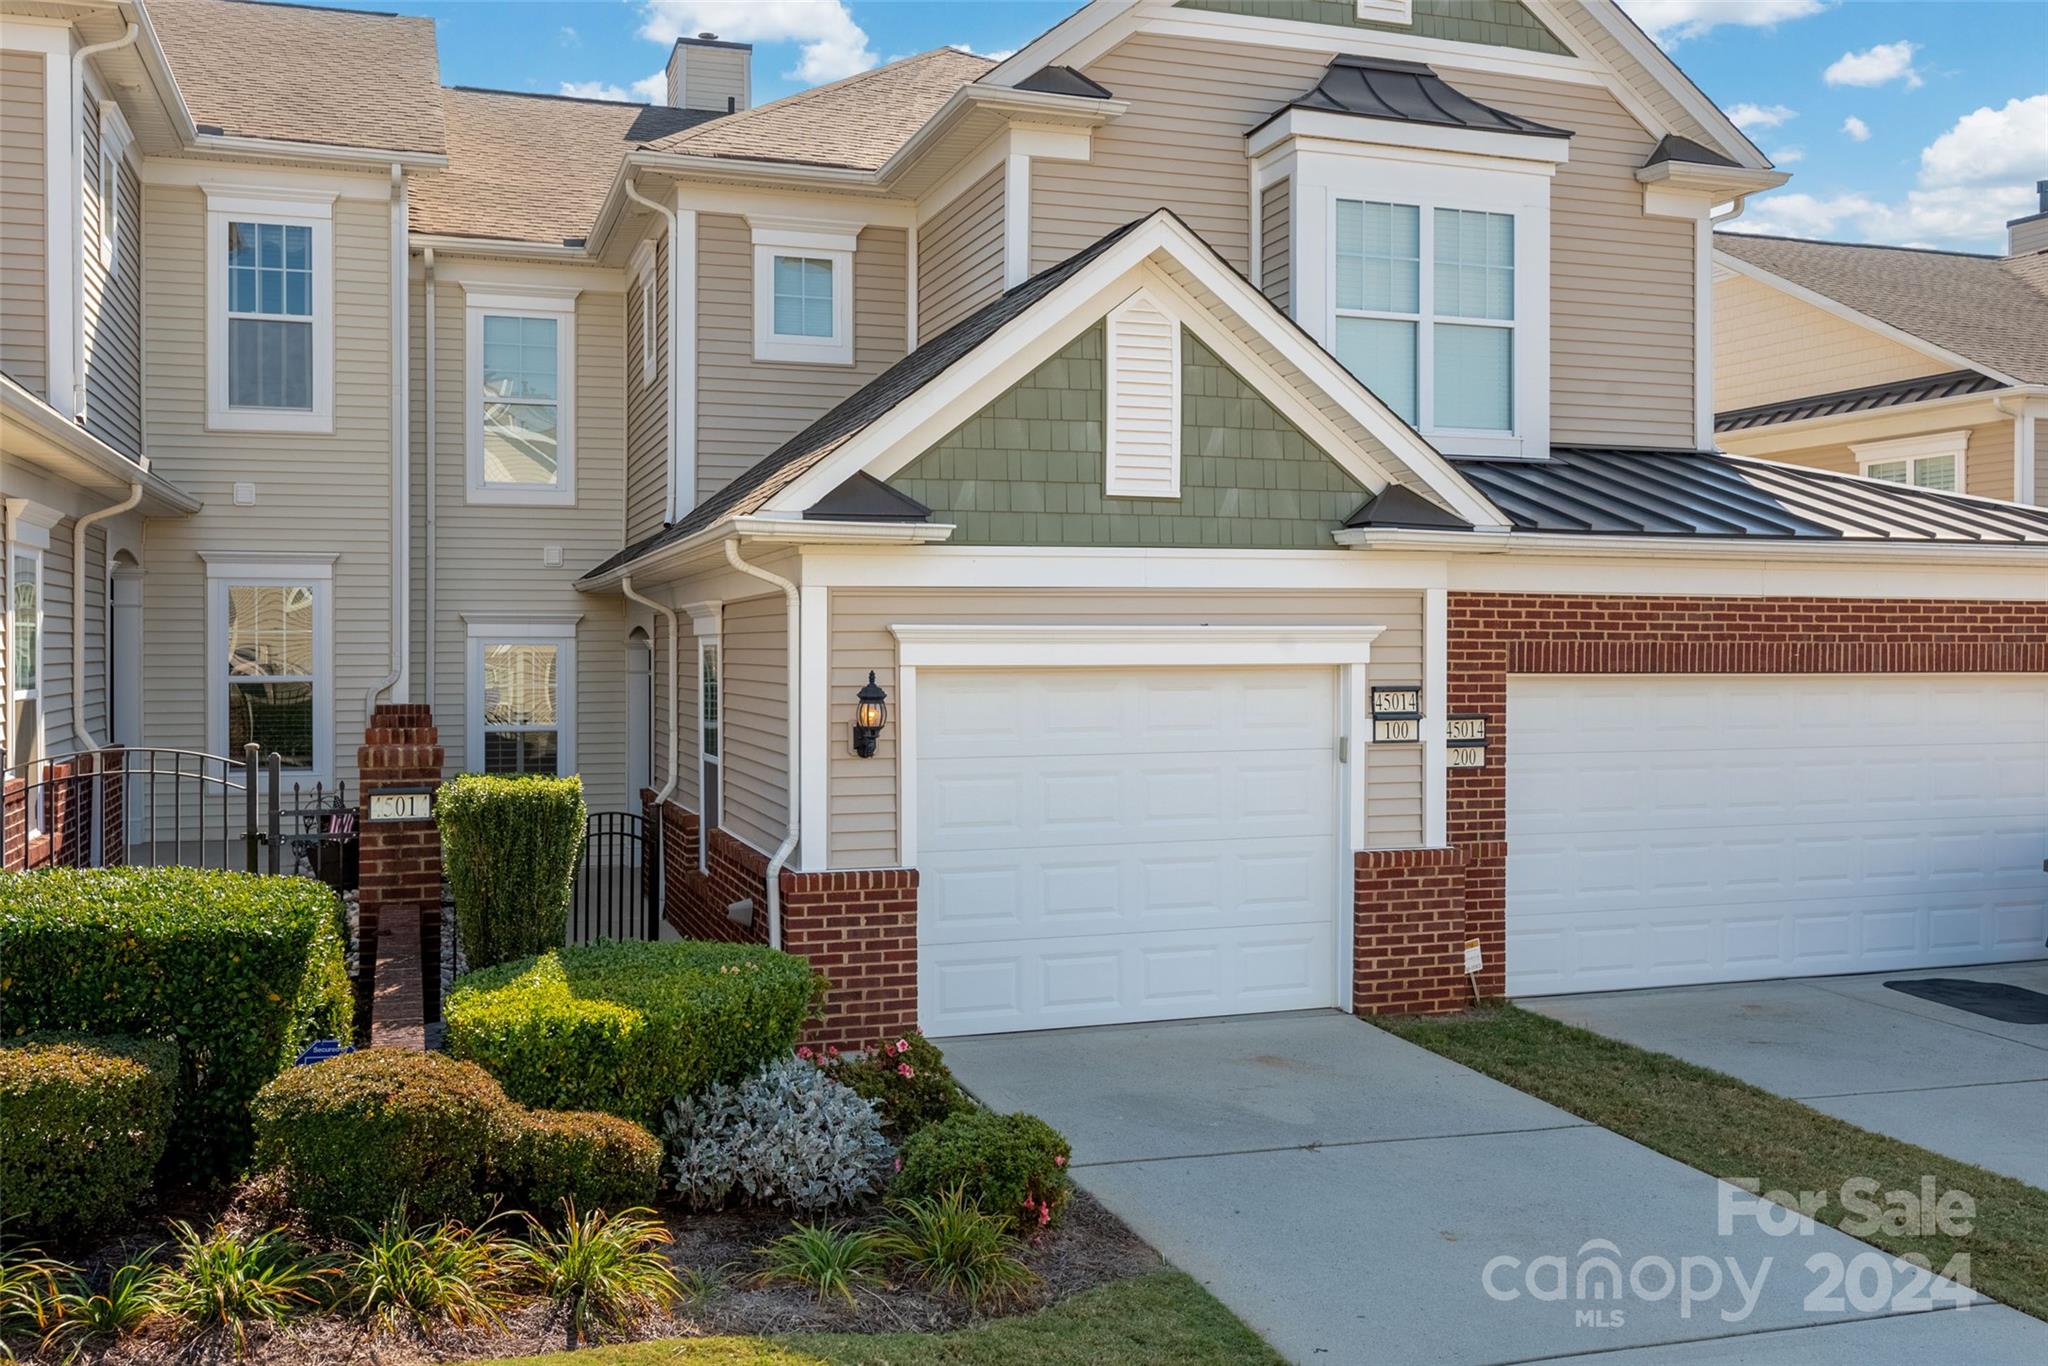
<point x="1989" y="145"/>
<point x="1786" y="156"/>
<point x="570" y="38"/>
<point x="647" y="90"/>
<point x="1750" y="116"/>
<point x="1956" y="216"/>
<point x="1878" y="65"/>
<point x="1671" y="22"/>
<point x="1856" y="128"/>
<point x="833" y="46"/>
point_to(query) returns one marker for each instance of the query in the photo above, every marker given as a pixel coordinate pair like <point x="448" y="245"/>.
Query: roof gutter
<point x="1568" y="545"/>
<point x="30" y="410"/>
<point x="501" y="246"/>
<point x="780" y="530"/>
<point x="284" y="149"/>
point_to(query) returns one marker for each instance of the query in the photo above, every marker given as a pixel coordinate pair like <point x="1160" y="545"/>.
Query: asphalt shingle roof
<point x="344" y="78"/>
<point x="1991" y="310"/>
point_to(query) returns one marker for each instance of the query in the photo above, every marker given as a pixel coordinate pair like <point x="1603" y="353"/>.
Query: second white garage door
<point x="1100" y="846"/>
<point x="1675" y="830"/>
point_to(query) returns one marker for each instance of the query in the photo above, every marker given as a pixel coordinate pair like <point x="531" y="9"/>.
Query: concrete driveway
<point x="1946" y="1079"/>
<point x="1355" y="1198"/>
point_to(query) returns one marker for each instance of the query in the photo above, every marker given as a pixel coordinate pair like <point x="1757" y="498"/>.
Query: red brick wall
<point x="1408" y="945"/>
<point x="400" y="870"/>
<point x="860" y="930"/>
<point x="1496" y="635"/>
<point x="71" y="792"/>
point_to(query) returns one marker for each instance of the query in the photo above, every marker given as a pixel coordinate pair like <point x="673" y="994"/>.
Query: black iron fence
<point x="616" y="882"/>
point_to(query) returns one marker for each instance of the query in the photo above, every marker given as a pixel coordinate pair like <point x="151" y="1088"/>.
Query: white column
<point x="815" y="730"/>
<point x="1016" y="220"/>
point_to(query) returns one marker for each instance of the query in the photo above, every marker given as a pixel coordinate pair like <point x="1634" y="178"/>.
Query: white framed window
<point x="803" y="293"/>
<point x="270" y="312"/>
<point x="1934" y="461"/>
<point x="25" y="622"/>
<point x="520" y="363"/>
<point x="522" y="696"/>
<point x="1425" y="311"/>
<point x="270" y="659"/>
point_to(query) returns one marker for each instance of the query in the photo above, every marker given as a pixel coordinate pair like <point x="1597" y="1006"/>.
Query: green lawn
<point x="1731" y="1129"/>
<point x="1148" y="1320"/>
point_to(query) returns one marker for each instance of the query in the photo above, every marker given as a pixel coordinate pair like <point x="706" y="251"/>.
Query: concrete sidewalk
<point x="1352" y="1197"/>
<point x="1945" y="1079"/>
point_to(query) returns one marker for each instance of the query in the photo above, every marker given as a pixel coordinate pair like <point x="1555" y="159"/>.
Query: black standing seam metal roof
<point x="1672" y="147"/>
<point x="1612" y="491"/>
<point x="1870" y="396"/>
<point x="1064" y="80"/>
<point x="1407" y="92"/>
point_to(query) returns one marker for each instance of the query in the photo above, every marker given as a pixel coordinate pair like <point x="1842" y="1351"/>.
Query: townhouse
<point x="1217" y="511"/>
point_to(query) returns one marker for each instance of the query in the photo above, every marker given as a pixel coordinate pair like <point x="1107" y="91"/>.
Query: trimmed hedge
<point x="510" y="846"/>
<point x="623" y="1028"/>
<point x="1007" y="1164"/>
<point x="82" y="1126"/>
<point x="240" y="971"/>
<point x="353" y="1134"/>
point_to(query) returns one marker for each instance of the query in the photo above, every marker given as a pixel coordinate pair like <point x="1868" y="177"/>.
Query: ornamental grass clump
<point x="222" y="1285"/>
<point x="831" y="1261"/>
<point x="240" y="971"/>
<point x="789" y="1137"/>
<point x="83" y="1122"/>
<point x="599" y="1270"/>
<point x="957" y="1249"/>
<point x="406" y="1276"/>
<point x="510" y="845"/>
<point x="624" y="1027"/>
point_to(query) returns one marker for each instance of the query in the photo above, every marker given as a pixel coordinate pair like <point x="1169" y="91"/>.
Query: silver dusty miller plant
<point x="788" y="1136"/>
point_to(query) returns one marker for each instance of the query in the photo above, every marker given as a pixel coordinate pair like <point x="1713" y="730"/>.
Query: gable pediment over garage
<point x="1033" y="467"/>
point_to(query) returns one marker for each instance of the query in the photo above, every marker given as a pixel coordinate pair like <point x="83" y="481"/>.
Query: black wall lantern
<point x="870" y="714"/>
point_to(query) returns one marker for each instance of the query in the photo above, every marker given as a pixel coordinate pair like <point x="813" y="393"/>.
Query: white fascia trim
<point x="778" y="530"/>
<point x="1701" y="548"/>
<point x="1353" y="129"/>
<point x="1064" y="39"/>
<point x="540" y="277"/>
<point x="1016" y="219"/>
<point x="520" y="626"/>
<point x="1135" y="569"/>
<point x="1073" y="114"/>
<point x="1723" y="183"/>
<point x="499" y="249"/>
<point x="1863" y="320"/>
<point x="1007" y="645"/>
<point x="1160" y="233"/>
<point x="310" y="208"/>
<point x="272" y="182"/>
<point x="1802" y="432"/>
<point x="275" y="149"/>
<point x="528" y="301"/>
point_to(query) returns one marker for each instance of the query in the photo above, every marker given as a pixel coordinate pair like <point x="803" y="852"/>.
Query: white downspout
<point x="788" y="845"/>
<point x="675" y="652"/>
<point x="667" y="215"/>
<point x="401" y="457"/>
<point x="2025" y="457"/>
<point x="78" y="530"/>
<point x="433" y="537"/>
<point x="78" y="216"/>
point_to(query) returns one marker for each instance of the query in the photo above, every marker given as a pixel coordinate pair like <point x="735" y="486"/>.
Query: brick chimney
<point x="707" y="73"/>
<point x="2024" y="236"/>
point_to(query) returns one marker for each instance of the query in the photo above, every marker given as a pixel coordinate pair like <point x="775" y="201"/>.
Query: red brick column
<point x="113" y="804"/>
<point x="399" y="908"/>
<point x="858" y="929"/>
<point x="1408" y="945"/>
<point x="14" y="826"/>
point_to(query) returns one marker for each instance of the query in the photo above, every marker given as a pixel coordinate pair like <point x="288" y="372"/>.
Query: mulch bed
<point x="1089" y="1247"/>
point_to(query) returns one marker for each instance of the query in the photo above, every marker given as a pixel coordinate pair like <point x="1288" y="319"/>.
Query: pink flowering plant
<point x="906" y="1077"/>
<point x="1012" y="1165"/>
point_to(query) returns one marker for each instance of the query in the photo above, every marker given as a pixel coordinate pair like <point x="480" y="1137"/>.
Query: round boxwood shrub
<point x="510" y="846"/>
<point x="240" y="971"/>
<point x="596" y="1161"/>
<point x="83" y="1123"/>
<point x="624" y="1027"/>
<point x="1007" y="1164"/>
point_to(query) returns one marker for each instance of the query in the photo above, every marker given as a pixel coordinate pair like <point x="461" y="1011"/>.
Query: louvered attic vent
<point x="1144" y="401"/>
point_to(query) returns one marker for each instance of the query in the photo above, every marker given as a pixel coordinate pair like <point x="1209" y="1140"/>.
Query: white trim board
<point x="1005" y="645"/>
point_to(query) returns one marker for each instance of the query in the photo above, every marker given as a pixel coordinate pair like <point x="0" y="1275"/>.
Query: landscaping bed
<point x="1732" y="1130"/>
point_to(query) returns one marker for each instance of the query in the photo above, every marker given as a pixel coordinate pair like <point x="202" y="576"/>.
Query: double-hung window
<point x="1425" y="311"/>
<point x="270" y="668"/>
<point x="270" y="314"/>
<point x="803" y="293"/>
<point x="522" y="697"/>
<point x="25" y="624"/>
<point x="1934" y="461"/>
<point x="520" y="358"/>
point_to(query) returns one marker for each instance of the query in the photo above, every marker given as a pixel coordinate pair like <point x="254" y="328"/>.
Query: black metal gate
<point x="617" y="882"/>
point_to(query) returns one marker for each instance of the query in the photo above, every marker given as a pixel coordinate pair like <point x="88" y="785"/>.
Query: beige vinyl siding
<point x="755" y="729"/>
<point x="715" y="78"/>
<point x="1584" y="33"/>
<point x="863" y="792"/>
<point x="960" y="256"/>
<point x="1276" y="211"/>
<point x="1769" y="346"/>
<point x="24" y="269"/>
<point x="1621" y="282"/>
<point x="1987" y="458"/>
<point x="647" y="408"/>
<point x="746" y="408"/>
<point x="315" y="494"/>
<point x="490" y="554"/>
<point x="113" y="302"/>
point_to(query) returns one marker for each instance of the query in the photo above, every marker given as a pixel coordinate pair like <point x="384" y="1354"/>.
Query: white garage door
<point x="1099" y="846"/>
<point x="1672" y="830"/>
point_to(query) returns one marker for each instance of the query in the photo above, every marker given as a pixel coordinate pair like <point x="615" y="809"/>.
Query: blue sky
<point x="1922" y="122"/>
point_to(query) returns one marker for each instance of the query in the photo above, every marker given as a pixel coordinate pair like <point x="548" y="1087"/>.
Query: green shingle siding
<point x="1027" y="469"/>
<point x="1494" y="23"/>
